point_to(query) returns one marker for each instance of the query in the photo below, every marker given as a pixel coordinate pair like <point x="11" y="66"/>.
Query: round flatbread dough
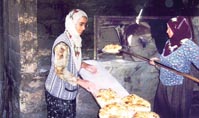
<point x="112" y="48"/>
<point x="107" y="96"/>
<point x="136" y="103"/>
<point x="146" y="115"/>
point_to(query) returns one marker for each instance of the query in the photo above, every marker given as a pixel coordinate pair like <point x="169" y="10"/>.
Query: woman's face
<point x="81" y="25"/>
<point x="169" y="32"/>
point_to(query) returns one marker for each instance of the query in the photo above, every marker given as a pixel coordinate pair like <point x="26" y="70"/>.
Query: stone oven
<point x="135" y="75"/>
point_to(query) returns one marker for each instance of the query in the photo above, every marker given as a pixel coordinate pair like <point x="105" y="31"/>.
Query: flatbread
<point x="107" y="96"/>
<point x="112" y="48"/>
<point x="115" y="110"/>
<point x="130" y="106"/>
<point x="136" y="103"/>
<point x="146" y="115"/>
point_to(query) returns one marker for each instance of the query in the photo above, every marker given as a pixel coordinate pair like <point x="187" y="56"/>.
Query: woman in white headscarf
<point x="62" y="82"/>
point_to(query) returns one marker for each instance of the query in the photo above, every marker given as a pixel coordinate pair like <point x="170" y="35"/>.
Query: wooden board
<point x="103" y="79"/>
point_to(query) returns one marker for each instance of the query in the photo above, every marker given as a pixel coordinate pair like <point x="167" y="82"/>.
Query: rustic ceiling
<point x="165" y="7"/>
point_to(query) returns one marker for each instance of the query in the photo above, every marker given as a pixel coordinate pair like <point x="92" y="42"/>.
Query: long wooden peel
<point x="162" y="65"/>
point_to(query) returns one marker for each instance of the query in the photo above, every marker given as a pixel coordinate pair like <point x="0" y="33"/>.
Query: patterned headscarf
<point x="70" y="29"/>
<point x="181" y="30"/>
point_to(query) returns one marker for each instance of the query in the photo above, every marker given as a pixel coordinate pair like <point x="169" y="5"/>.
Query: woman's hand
<point x="89" y="86"/>
<point x="152" y="60"/>
<point x="88" y="67"/>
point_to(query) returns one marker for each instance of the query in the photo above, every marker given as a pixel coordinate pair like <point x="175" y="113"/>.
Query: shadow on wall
<point x="158" y="32"/>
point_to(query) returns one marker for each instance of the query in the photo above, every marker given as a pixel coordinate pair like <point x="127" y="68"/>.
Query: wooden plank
<point x="103" y="79"/>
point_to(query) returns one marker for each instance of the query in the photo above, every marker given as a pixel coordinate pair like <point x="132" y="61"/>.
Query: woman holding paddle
<point x="174" y="92"/>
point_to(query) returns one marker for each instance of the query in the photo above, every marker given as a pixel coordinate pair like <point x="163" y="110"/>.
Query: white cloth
<point x="71" y="21"/>
<point x="103" y="79"/>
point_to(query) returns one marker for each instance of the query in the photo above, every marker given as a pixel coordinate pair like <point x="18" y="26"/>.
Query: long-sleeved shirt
<point x="181" y="60"/>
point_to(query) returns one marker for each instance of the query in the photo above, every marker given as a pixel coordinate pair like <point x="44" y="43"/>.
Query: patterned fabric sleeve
<point x="192" y="53"/>
<point x="61" y="51"/>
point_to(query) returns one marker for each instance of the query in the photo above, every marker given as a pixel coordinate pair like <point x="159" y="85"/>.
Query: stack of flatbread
<point x="131" y="106"/>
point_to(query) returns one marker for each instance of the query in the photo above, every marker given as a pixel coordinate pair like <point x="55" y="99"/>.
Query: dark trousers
<point x="174" y="101"/>
<point x="59" y="108"/>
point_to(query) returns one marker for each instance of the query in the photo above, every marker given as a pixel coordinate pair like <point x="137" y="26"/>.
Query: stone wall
<point x="23" y="86"/>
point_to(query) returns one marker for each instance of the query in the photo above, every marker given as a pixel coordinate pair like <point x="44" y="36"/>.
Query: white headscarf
<point x="70" y="22"/>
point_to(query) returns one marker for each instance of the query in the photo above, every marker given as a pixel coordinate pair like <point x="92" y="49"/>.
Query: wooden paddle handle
<point x="163" y="66"/>
<point x="178" y="72"/>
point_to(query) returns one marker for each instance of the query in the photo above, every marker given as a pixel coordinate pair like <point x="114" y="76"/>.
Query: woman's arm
<point x="61" y="60"/>
<point x="192" y="53"/>
<point x="61" y="51"/>
<point x="89" y="86"/>
<point x="88" y="67"/>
